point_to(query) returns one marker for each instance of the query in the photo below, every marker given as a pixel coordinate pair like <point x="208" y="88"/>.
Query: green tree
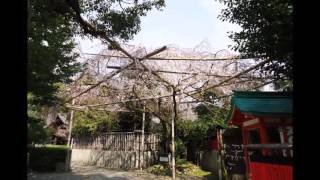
<point x="114" y="18"/>
<point x="52" y="26"/>
<point x="93" y="122"/>
<point x="267" y="31"/>
<point x="284" y="85"/>
<point x="38" y="133"/>
<point x="51" y="60"/>
<point x="130" y="121"/>
<point x="118" y="18"/>
<point x="194" y="134"/>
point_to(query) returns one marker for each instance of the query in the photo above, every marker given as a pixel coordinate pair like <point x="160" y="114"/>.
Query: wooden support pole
<point x="179" y="59"/>
<point x="142" y="135"/>
<point x="70" y="125"/>
<point x="269" y="146"/>
<point x="220" y="159"/>
<point x="191" y="73"/>
<point x="121" y="69"/>
<point x="233" y="77"/>
<point x="172" y="135"/>
<point x="68" y="158"/>
<point x="163" y="96"/>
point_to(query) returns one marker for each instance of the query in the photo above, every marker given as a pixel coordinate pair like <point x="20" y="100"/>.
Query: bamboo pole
<point x="166" y="96"/>
<point x="178" y="59"/>
<point x="192" y="73"/>
<point x="118" y="71"/>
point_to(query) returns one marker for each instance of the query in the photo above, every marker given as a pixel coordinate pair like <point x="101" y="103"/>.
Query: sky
<point x="185" y="23"/>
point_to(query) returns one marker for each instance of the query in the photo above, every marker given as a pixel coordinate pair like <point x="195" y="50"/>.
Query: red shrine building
<point x="264" y="120"/>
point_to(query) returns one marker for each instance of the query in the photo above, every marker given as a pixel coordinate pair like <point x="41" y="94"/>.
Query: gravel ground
<point x="95" y="173"/>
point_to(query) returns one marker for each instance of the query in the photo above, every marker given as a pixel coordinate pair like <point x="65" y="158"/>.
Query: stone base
<point x="238" y="177"/>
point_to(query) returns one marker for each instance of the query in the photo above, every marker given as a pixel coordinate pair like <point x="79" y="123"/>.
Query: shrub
<point x="93" y="122"/>
<point x="160" y="170"/>
<point x="44" y="159"/>
<point x="37" y="133"/>
<point x="184" y="169"/>
<point x="181" y="150"/>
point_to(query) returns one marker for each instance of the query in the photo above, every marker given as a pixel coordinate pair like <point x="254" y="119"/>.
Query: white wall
<point x="112" y="159"/>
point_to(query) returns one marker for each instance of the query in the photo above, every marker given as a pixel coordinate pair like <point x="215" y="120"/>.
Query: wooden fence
<point x="118" y="141"/>
<point x="116" y="150"/>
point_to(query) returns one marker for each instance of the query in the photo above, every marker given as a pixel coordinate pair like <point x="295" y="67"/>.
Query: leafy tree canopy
<point x="51" y="60"/>
<point x="118" y="18"/>
<point x="93" y="122"/>
<point x="209" y="118"/>
<point x="267" y="32"/>
<point x="52" y="26"/>
<point x="37" y="132"/>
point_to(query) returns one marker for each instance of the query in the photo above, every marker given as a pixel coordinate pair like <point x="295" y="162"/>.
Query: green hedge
<point x="44" y="159"/>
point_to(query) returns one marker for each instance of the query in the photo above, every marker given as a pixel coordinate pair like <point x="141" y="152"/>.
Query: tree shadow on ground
<point x="211" y="177"/>
<point x="72" y="176"/>
<point x="206" y="177"/>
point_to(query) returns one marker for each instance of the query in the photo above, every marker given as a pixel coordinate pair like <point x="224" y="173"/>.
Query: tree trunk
<point x="165" y="142"/>
<point x="191" y="153"/>
<point x="165" y="137"/>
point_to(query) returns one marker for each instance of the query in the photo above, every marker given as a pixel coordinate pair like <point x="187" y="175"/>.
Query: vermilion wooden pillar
<point x="246" y="160"/>
<point x="263" y="136"/>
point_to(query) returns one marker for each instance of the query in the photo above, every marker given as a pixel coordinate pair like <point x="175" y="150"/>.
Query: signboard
<point x="164" y="158"/>
<point x="234" y="158"/>
<point x="234" y="153"/>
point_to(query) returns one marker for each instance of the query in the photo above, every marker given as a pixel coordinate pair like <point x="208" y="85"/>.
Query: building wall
<point x="112" y="159"/>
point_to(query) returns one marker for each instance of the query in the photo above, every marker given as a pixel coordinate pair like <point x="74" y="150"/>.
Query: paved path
<point x="96" y="173"/>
